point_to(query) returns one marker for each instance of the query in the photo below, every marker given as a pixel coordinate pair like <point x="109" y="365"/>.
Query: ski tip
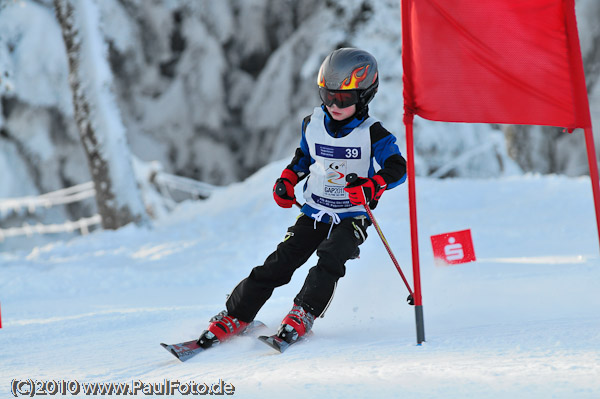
<point x="274" y="342"/>
<point x="266" y="338"/>
<point x="181" y="356"/>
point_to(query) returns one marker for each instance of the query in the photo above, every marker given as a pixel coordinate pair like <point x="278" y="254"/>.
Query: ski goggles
<point x="341" y="98"/>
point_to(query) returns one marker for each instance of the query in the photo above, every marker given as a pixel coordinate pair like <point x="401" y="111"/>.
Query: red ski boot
<point x="221" y="328"/>
<point x="296" y="324"/>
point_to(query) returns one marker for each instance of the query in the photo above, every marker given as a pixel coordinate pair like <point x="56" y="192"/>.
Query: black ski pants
<point x="301" y="241"/>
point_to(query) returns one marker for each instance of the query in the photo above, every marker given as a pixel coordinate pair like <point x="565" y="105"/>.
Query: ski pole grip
<point x="280" y="189"/>
<point x="351" y="178"/>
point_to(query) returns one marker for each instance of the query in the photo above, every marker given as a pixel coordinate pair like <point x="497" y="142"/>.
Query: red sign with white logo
<point x="453" y="248"/>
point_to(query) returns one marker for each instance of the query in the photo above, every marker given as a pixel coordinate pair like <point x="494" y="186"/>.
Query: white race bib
<point x="335" y="158"/>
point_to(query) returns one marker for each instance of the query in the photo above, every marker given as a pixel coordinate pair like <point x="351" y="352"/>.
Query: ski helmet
<point x="348" y="76"/>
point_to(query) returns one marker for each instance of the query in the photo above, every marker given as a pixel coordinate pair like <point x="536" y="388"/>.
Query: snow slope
<point x="521" y="322"/>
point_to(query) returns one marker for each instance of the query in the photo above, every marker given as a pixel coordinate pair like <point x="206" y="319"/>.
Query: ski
<point x="275" y="342"/>
<point x="278" y="343"/>
<point x="186" y="350"/>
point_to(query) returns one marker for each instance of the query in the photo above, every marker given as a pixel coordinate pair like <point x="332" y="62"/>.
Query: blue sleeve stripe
<point x="397" y="183"/>
<point x="385" y="147"/>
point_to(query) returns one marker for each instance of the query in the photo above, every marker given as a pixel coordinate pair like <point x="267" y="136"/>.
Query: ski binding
<point x="186" y="350"/>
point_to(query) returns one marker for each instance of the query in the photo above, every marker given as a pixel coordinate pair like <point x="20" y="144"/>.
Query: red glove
<point x="365" y="189"/>
<point x="283" y="190"/>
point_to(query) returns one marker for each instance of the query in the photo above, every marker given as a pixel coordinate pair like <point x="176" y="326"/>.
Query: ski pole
<point x="281" y="191"/>
<point x="351" y="178"/>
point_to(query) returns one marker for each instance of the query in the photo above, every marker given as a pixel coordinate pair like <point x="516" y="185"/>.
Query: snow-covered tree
<point x="96" y="113"/>
<point x="214" y="90"/>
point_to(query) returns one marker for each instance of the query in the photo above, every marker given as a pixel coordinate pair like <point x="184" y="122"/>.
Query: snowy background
<point x="216" y="90"/>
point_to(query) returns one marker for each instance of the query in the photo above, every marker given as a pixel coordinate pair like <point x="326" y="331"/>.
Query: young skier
<point x="338" y="138"/>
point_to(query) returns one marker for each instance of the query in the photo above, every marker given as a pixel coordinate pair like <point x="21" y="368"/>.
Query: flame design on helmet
<point x="357" y="76"/>
<point x="321" y="78"/>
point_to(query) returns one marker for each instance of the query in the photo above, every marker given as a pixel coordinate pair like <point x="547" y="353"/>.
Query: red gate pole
<point x="593" y="164"/>
<point x="409" y="113"/>
<point x="414" y="236"/>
